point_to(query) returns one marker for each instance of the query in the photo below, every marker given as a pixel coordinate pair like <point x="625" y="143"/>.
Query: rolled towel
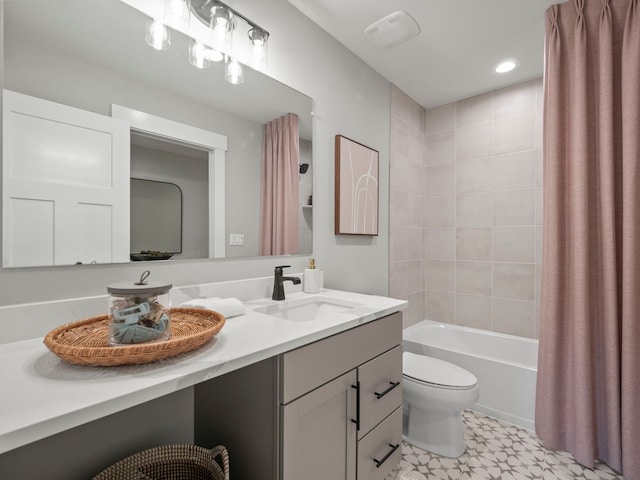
<point x="229" y="307"/>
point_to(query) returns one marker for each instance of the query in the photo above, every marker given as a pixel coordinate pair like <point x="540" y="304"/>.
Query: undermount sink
<point x="307" y="309"/>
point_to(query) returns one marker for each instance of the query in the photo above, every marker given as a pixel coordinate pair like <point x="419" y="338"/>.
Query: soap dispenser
<point x="313" y="278"/>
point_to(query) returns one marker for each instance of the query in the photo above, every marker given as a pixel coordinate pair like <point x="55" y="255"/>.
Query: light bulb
<point x="233" y="72"/>
<point x="157" y="36"/>
<point x="198" y="54"/>
<point x="258" y="52"/>
<point x="222" y="25"/>
<point x="177" y="13"/>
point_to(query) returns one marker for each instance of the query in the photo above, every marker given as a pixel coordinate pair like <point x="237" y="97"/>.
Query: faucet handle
<point x="282" y="266"/>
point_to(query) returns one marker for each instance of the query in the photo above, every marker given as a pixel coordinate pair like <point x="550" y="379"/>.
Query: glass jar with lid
<point x="138" y="311"/>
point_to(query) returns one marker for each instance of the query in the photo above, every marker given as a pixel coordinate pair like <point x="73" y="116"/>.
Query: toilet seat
<point x="436" y="373"/>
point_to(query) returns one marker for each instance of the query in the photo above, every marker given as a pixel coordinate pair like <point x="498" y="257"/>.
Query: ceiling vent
<point x="392" y="30"/>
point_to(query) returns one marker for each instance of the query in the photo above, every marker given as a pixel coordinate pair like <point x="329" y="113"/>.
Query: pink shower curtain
<point x="279" y="203"/>
<point x="588" y="394"/>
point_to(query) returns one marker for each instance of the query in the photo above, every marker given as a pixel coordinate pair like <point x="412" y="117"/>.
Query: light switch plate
<point x="236" y="239"/>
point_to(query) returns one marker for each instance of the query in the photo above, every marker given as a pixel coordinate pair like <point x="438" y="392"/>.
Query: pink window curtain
<point x="588" y="393"/>
<point x="280" y="186"/>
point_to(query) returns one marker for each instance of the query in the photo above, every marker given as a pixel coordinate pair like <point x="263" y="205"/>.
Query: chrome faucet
<point x="278" y="287"/>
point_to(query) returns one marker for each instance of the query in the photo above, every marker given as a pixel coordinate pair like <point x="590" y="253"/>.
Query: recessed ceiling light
<point x="506" y="66"/>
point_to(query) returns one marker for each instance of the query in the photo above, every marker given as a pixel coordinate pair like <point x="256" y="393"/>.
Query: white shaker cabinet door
<point x="65" y="184"/>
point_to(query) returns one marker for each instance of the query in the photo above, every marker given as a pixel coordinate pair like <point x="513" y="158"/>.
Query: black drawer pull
<point x="389" y="453"/>
<point x="393" y="385"/>
<point x="357" y="420"/>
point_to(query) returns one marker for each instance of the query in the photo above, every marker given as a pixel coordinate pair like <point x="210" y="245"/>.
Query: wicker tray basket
<point x="86" y="342"/>
<point x="171" y="462"/>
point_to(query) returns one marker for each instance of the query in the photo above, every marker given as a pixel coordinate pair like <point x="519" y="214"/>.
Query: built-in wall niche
<point x="305" y="222"/>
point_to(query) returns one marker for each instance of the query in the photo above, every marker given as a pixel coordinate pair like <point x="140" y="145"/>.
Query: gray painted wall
<point x="351" y="99"/>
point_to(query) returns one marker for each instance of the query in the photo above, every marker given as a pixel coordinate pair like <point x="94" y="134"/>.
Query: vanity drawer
<point x="381" y="450"/>
<point x="315" y="364"/>
<point x="380" y="388"/>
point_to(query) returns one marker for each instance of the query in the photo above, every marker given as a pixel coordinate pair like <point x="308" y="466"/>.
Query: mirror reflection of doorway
<point x="65" y="184"/>
<point x="169" y="206"/>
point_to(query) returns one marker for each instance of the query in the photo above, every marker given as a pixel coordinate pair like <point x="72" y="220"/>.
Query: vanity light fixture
<point x="177" y="14"/>
<point x="158" y="35"/>
<point x="222" y="25"/>
<point x="258" y="55"/>
<point x="201" y="56"/>
<point x="221" y="21"/>
<point x="233" y="72"/>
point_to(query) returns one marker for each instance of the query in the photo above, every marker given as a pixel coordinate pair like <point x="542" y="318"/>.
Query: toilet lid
<point x="436" y="372"/>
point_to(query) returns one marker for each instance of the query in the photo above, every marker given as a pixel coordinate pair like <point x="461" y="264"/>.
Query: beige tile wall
<point x="409" y="184"/>
<point x="481" y="171"/>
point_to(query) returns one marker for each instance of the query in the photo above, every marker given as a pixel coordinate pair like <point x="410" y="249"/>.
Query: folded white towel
<point x="229" y="307"/>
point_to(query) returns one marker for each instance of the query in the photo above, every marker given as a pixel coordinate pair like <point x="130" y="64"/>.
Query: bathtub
<point x="505" y="366"/>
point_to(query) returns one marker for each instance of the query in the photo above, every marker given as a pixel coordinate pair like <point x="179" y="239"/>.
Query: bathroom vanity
<point x="290" y="399"/>
<point x="316" y="411"/>
<point x="329" y="409"/>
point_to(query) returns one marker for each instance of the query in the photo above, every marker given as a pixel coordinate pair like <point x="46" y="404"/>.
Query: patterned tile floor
<point x="496" y="450"/>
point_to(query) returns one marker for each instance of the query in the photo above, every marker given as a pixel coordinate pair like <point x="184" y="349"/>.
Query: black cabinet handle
<point x="357" y="420"/>
<point x="393" y="385"/>
<point x="389" y="453"/>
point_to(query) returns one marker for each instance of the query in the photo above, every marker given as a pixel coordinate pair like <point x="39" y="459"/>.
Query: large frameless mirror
<point x="82" y="58"/>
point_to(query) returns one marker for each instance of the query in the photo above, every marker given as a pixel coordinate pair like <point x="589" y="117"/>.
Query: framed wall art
<point x="356" y="188"/>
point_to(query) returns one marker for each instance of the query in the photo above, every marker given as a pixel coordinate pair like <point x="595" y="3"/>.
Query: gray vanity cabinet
<point x="380" y="434"/>
<point x="318" y="441"/>
<point x="341" y="404"/>
<point x="331" y="409"/>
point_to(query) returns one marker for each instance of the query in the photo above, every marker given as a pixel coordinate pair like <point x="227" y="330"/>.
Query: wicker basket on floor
<point x="171" y="462"/>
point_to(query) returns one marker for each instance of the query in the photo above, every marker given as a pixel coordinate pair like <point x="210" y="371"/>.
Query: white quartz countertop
<point x="41" y="394"/>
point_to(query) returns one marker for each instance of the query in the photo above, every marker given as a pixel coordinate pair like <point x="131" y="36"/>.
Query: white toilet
<point x="435" y="392"/>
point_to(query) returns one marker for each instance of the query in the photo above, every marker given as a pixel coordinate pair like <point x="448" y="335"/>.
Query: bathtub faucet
<point x="278" y="282"/>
